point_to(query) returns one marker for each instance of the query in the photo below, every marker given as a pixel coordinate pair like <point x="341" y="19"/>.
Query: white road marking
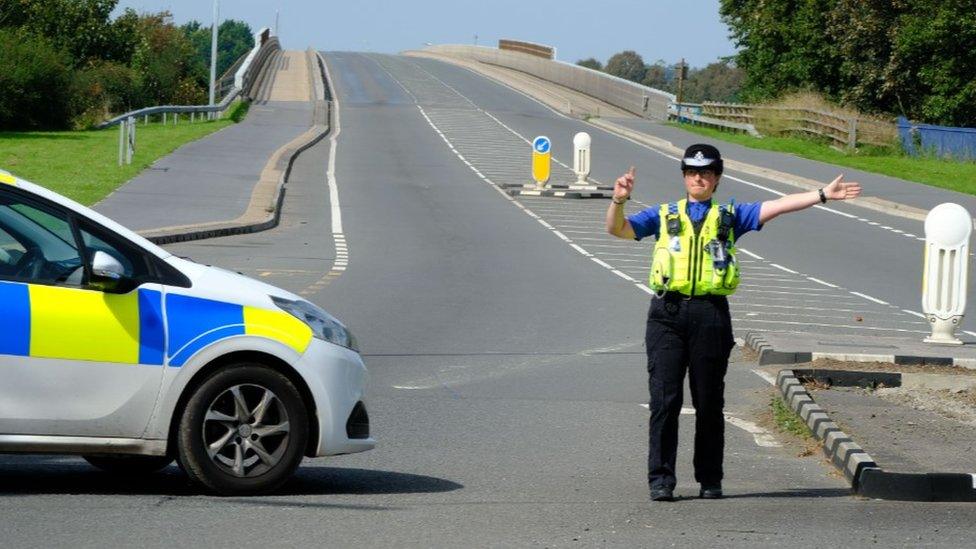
<point x="913" y="313"/>
<point x="750" y="254"/>
<point x="818" y="281"/>
<point x="341" y="261"/>
<point x="782" y="268"/>
<point x="567" y="220"/>
<point x="869" y="298"/>
<point x="761" y="436"/>
<point x="769" y="378"/>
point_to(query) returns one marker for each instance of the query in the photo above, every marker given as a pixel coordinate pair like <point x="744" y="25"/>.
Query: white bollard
<point x="581" y="157"/>
<point x="944" y="272"/>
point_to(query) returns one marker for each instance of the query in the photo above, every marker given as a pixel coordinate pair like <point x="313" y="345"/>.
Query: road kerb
<point x="859" y="468"/>
<point x="263" y="211"/>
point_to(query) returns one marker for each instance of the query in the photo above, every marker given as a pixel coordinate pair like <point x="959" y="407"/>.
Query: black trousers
<point x="693" y="335"/>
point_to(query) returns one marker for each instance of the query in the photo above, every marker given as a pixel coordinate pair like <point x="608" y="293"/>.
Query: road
<point x="505" y="345"/>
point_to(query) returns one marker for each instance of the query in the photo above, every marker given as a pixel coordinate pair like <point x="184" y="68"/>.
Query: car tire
<point x="243" y="431"/>
<point x="129" y="465"/>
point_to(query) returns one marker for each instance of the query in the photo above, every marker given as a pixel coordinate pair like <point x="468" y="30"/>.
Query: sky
<point x="656" y="29"/>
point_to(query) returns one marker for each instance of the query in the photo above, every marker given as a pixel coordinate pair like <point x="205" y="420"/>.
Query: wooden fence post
<point x="852" y="133"/>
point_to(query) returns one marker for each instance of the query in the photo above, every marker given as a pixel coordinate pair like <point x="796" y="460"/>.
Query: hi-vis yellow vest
<point x="684" y="263"/>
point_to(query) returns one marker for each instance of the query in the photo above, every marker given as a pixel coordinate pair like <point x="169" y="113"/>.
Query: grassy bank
<point x="957" y="176"/>
<point x="83" y="165"/>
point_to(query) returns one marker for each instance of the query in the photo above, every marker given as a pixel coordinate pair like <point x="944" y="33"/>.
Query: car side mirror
<point x="107" y="273"/>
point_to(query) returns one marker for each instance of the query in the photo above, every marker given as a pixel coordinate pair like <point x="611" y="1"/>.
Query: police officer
<point x="693" y="269"/>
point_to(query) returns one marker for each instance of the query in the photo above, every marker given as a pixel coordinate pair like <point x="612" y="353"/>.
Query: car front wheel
<point x="243" y="431"/>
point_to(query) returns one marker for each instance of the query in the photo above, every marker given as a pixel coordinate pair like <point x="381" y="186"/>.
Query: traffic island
<point x="776" y="348"/>
<point x="866" y="476"/>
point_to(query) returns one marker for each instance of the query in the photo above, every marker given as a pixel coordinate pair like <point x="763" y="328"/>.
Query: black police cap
<point x="702" y="155"/>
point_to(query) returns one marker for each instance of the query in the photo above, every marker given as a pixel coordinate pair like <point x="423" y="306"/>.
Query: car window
<point x="35" y="243"/>
<point x="132" y="259"/>
<point x="10" y="252"/>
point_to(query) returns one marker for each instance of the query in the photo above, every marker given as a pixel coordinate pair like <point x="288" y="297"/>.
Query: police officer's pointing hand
<point x="624" y="185"/>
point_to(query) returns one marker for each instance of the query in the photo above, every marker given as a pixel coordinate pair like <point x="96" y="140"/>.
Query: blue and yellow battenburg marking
<point x="75" y="324"/>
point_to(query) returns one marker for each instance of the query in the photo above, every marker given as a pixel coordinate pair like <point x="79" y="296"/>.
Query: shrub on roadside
<point x="35" y="83"/>
<point x="103" y="88"/>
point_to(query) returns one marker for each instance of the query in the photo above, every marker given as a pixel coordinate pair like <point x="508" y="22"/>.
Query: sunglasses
<point x="704" y="172"/>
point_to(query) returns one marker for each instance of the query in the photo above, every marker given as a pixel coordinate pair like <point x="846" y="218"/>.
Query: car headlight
<point x="324" y="326"/>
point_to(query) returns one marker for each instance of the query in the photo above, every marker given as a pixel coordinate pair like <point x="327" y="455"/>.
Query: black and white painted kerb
<point x="866" y="477"/>
<point x="770" y="355"/>
<point x="846" y="454"/>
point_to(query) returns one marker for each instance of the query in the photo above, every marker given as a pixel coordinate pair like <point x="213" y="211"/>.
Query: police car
<point x="114" y="349"/>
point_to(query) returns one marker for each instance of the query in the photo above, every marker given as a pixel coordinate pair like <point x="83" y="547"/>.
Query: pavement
<point x="229" y="181"/>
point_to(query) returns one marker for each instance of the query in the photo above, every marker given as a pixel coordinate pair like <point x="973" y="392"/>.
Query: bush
<point x="103" y="88"/>
<point x="239" y="110"/>
<point x="35" y="83"/>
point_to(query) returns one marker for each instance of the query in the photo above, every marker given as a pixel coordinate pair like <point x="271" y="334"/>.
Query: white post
<point x="581" y="157"/>
<point x="944" y="271"/>
<point x="213" y="52"/>
<point x="164" y="118"/>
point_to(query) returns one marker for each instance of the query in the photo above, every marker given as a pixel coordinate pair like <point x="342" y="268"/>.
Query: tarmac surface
<point x="210" y="179"/>
<point x="508" y="384"/>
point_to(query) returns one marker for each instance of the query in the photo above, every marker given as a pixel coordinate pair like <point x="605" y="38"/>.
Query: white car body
<point x="96" y="403"/>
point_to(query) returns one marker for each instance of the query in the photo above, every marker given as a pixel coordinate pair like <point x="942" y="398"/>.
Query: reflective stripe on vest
<point x="683" y="262"/>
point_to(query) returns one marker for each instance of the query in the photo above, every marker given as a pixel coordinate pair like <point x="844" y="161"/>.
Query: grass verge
<point x="946" y="174"/>
<point x="83" y="165"/>
<point x="787" y="421"/>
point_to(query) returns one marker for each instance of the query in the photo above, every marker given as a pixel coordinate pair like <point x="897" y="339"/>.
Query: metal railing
<point x="241" y="83"/>
<point x="629" y="96"/>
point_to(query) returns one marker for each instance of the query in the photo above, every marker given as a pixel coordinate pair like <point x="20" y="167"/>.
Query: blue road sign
<point x="541" y="144"/>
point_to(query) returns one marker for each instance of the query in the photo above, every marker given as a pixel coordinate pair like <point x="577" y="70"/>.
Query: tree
<point x="932" y="69"/>
<point x="656" y="76"/>
<point x="590" y="63"/>
<point x="719" y="82"/>
<point x="627" y="65"/>
<point x="82" y="28"/>
<point x="164" y="61"/>
<point x="911" y="57"/>
<point x="35" y="82"/>
<point x="783" y="45"/>
<point x="234" y="39"/>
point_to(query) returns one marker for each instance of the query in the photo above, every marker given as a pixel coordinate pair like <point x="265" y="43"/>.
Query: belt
<point x="676" y="296"/>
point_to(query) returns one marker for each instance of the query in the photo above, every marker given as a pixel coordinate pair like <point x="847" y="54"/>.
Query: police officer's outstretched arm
<point x="617" y="224"/>
<point x="838" y="189"/>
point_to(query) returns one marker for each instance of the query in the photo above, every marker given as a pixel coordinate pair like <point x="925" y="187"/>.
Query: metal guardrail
<point x="243" y="80"/>
<point x="173" y="109"/>
<point x="629" y="96"/>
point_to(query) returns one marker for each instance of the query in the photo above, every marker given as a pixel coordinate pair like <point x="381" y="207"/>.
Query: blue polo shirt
<point x="648" y="222"/>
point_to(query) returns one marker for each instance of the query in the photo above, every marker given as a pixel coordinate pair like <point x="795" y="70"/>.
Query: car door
<point x="76" y="358"/>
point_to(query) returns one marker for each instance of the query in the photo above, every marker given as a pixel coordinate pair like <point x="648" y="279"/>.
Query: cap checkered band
<point x="698" y="160"/>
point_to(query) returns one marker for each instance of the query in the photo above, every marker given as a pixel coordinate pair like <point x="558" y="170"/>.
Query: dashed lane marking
<point x="341" y="261"/>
